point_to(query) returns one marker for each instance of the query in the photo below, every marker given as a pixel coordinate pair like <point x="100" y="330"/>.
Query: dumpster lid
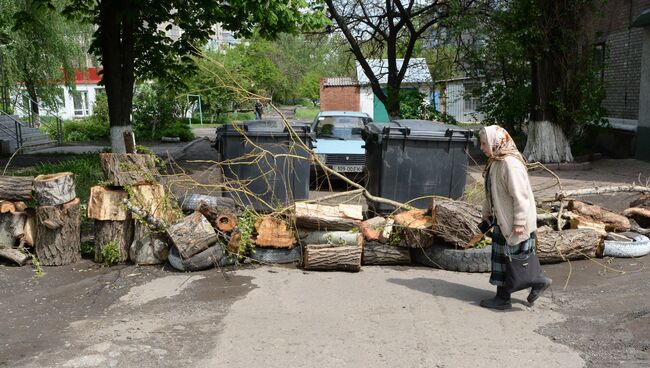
<point x="262" y="127"/>
<point x="419" y="129"/>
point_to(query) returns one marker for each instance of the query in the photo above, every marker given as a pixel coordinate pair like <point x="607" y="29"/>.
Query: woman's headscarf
<point x="502" y="145"/>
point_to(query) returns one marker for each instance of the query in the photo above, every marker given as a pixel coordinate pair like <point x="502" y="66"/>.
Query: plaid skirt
<point x="499" y="256"/>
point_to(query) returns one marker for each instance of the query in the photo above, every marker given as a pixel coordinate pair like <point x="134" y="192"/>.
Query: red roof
<point x="86" y="76"/>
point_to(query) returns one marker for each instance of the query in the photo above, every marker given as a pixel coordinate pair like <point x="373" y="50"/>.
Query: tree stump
<point x="118" y="233"/>
<point x="558" y="246"/>
<point x="332" y="257"/>
<point x="274" y="233"/>
<point x="191" y="235"/>
<point x="58" y="234"/>
<point x="54" y="189"/>
<point x="148" y="247"/>
<point x="375" y="253"/>
<point x="128" y="168"/>
<point x="16" y="188"/>
<point x="416" y="228"/>
<point x="321" y="217"/>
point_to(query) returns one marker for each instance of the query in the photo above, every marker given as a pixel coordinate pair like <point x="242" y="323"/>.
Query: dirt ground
<point x="597" y="313"/>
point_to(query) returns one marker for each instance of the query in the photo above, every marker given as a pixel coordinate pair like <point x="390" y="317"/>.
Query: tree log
<point x="119" y="233"/>
<point x="372" y="228"/>
<point x="54" y="189"/>
<point x="58" y="234"/>
<point x="128" y="169"/>
<point x="643" y="201"/>
<point x="332" y="257"/>
<point x="331" y="237"/>
<point x="388" y="230"/>
<point x="613" y="221"/>
<point x="192" y="201"/>
<point x="152" y="198"/>
<point x="145" y="216"/>
<point x="149" y="247"/>
<point x="222" y="220"/>
<point x="191" y="235"/>
<point x="16" y="188"/>
<point x="106" y="204"/>
<point x="375" y="253"/>
<point x="14" y="255"/>
<point x="7" y="206"/>
<point x="273" y="232"/>
<point x="12" y="228"/>
<point x="557" y="246"/>
<point x="29" y="231"/>
<point x="601" y="190"/>
<point x="455" y="222"/>
<point x="639" y="214"/>
<point x="322" y="217"/>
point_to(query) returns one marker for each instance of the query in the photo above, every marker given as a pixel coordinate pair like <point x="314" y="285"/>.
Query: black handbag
<point x="521" y="270"/>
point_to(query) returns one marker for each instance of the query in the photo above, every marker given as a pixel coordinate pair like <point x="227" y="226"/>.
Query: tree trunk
<point x="148" y="247"/>
<point x="12" y="228"/>
<point x="117" y="46"/>
<point x="192" y="235"/>
<point x="54" y="189"/>
<point x="381" y="254"/>
<point x="321" y="217"/>
<point x="16" y="188"/>
<point x="107" y="204"/>
<point x="118" y="233"/>
<point x="33" y="102"/>
<point x="373" y="228"/>
<point x="14" y="255"/>
<point x="122" y="169"/>
<point x="58" y="234"/>
<point x="331" y="237"/>
<point x="332" y="257"/>
<point x="612" y="221"/>
<point x="416" y="227"/>
<point x="558" y="246"/>
<point x="547" y="143"/>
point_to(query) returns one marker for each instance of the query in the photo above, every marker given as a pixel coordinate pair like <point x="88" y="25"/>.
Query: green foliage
<point x="178" y="129"/>
<point x="87" y="170"/>
<point x="110" y="253"/>
<point x="305" y="113"/>
<point x="413" y="105"/>
<point x="88" y="249"/>
<point x="155" y="108"/>
<point x="36" y="264"/>
<point x="246" y="225"/>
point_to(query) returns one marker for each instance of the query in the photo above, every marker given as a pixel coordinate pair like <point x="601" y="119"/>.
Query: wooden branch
<point x="601" y="190"/>
<point x="16" y="188"/>
<point x="54" y="189"/>
<point x="331" y="237"/>
<point x="145" y="216"/>
<point x="372" y="228"/>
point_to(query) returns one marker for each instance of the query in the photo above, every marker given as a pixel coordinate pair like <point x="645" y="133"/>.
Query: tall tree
<point x="389" y="29"/>
<point x="131" y="41"/>
<point x="42" y="48"/>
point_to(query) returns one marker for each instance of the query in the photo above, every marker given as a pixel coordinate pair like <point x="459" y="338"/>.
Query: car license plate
<point x="348" y="168"/>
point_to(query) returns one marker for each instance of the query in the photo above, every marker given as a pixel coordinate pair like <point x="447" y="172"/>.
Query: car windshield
<point x="343" y="127"/>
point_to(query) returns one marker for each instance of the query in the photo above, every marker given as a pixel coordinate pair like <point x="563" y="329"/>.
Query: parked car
<point x="338" y="141"/>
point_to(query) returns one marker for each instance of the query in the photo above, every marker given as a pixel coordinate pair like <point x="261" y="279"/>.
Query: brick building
<point x="620" y="47"/>
<point x="339" y="94"/>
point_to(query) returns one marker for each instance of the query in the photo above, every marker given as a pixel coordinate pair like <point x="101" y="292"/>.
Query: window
<point x="80" y="101"/>
<point x="339" y="126"/>
<point x="599" y="58"/>
<point x="471" y="97"/>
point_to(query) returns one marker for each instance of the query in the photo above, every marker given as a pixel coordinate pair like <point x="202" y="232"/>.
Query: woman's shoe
<point x="537" y="290"/>
<point x="501" y="301"/>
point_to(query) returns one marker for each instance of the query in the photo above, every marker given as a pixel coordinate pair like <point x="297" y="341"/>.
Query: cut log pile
<point x="51" y="231"/>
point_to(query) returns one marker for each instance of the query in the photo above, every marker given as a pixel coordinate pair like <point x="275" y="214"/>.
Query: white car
<point x="338" y="141"/>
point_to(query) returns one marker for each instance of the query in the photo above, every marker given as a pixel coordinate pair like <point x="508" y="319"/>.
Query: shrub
<point x="178" y="129"/>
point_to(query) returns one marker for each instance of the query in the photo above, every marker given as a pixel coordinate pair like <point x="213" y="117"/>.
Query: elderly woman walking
<point x="510" y="206"/>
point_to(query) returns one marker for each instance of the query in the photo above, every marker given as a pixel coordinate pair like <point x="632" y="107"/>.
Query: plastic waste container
<point x="265" y="167"/>
<point x="408" y="159"/>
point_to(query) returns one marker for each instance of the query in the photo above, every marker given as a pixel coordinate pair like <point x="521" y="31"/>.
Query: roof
<point x="340" y="82"/>
<point x="344" y="113"/>
<point x="417" y="72"/>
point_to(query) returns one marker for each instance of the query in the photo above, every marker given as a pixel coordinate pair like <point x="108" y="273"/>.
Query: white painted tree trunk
<point x="117" y="138"/>
<point x="547" y="143"/>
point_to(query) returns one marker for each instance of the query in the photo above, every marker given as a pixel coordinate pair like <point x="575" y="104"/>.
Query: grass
<point x="307" y="113"/>
<point x="86" y="168"/>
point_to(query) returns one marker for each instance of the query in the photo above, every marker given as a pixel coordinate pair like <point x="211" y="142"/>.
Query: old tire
<point x="212" y="257"/>
<point x="638" y="247"/>
<point x="272" y="255"/>
<point x="450" y="259"/>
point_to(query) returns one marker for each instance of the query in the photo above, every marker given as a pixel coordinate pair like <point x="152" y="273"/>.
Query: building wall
<point x="366" y="101"/>
<point x="345" y="98"/>
<point x="610" y="27"/>
<point x="461" y="107"/>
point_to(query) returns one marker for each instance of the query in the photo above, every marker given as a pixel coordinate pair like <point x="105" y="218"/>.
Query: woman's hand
<point x="518" y="230"/>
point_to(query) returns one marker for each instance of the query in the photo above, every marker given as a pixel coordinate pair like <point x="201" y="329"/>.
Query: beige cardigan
<point x="512" y="199"/>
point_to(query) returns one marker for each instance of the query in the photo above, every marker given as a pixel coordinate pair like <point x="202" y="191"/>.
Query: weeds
<point x="110" y="253"/>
